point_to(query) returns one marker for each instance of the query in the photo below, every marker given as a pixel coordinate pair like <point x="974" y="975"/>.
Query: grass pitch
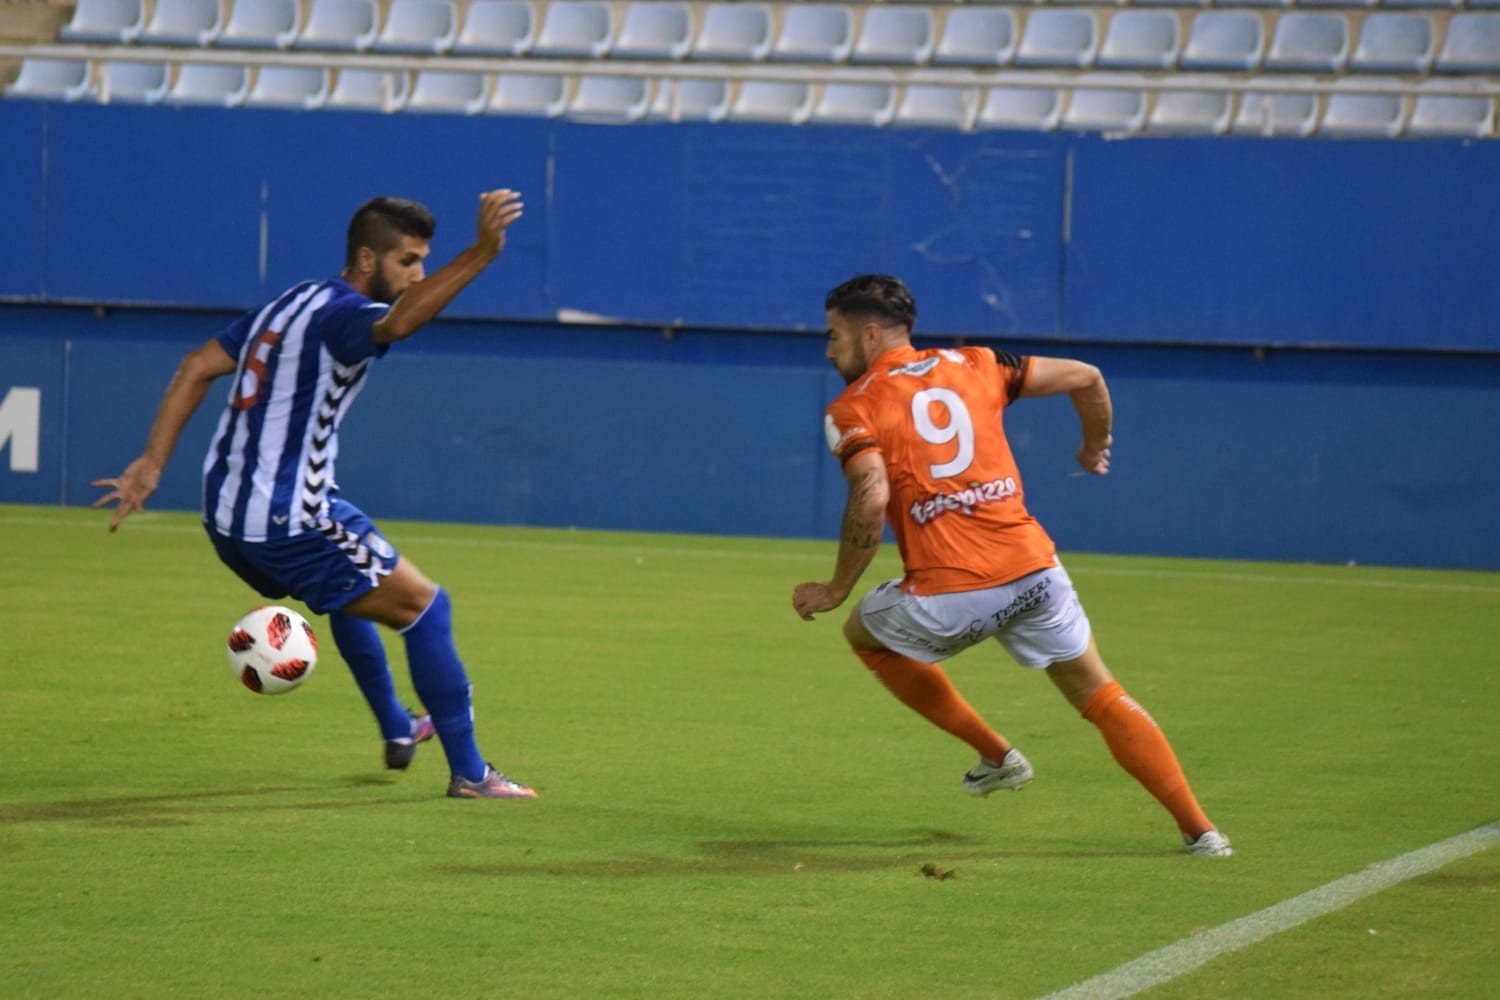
<point x="729" y="806"/>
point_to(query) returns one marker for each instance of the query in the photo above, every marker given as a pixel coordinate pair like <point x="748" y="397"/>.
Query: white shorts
<point x="1037" y="619"/>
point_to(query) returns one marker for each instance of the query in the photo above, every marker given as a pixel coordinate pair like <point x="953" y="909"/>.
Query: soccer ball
<point x="272" y="650"/>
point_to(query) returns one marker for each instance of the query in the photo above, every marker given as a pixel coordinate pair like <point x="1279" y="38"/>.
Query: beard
<point x="380" y="289"/>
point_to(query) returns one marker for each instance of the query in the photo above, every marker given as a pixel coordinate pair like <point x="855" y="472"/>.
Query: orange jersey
<point x="956" y="508"/>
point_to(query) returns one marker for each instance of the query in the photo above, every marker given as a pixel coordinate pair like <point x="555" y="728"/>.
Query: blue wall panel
<point x="1242" y="241"/>
<point x="23" y="164"/>
<point x="1355" y="244"/>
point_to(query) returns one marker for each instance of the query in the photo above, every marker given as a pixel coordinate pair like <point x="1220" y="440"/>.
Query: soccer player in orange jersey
<point x="921" y="437"/>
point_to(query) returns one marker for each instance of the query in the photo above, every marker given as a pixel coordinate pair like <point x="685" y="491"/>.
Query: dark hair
<point x="381" y="222"/>
<point x="875" y="296"/>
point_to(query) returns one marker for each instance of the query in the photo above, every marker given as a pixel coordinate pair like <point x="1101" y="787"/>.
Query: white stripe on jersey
<point x="278" y="419"/>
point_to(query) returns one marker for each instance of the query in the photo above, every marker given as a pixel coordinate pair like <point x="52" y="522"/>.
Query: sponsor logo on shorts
<point x="1029" y="599"/>
<point x="966" y="501"/>
<point x="921" y="641"/>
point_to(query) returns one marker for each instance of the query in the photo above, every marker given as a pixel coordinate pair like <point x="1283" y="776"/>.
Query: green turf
<point x="729" y="806"/>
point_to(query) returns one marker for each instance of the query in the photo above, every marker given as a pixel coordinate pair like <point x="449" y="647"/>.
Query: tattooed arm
<point x="863" y="526"/>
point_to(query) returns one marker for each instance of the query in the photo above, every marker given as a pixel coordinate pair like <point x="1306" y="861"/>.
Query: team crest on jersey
<point x="379" y="546"/>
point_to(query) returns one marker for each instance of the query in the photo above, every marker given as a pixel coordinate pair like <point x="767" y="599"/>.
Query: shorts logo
<point x="379" y="546"/>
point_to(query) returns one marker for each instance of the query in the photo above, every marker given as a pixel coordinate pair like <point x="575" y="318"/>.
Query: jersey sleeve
<point x="232" y="338"/>
<point x="1014" y="370"/>
<point x="847" y="431"/>
<point x="349" y="330"/>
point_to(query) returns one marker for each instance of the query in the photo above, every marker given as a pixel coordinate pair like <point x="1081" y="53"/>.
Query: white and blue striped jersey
<point x="302" y="361"/>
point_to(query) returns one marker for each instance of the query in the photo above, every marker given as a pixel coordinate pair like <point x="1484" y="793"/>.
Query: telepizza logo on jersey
<point x="965" y="500"/>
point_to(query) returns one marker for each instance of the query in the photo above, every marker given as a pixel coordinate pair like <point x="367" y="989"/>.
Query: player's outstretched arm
<point x="1085" y="386"/>
<point x="133" y="487"/>
<point x="864" y="524"/>
<point x="430" y="296"/>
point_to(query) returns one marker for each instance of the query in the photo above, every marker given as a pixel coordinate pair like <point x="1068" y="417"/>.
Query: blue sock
<point x="358" y="642"/>
<point x="438" y="676"/>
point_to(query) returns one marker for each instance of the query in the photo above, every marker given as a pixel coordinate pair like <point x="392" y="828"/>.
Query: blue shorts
<point x="324" y="569"/>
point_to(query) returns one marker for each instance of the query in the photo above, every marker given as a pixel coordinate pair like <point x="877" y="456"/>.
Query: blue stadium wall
<point x="1302" y="338"/>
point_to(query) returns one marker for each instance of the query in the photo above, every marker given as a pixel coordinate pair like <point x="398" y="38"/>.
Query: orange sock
<point x="924" y="688"/>
<point x="1141" y="748"/>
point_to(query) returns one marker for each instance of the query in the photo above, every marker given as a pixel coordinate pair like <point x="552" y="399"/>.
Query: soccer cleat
<point x="1212" y="844"/>
<point x="494" y="785"/>
<point x="1012" y="772"/>
<point x="398" y="753"/>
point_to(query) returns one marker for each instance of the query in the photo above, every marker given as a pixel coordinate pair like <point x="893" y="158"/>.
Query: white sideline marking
<point x="144" y="522"/>
<point x="1164" y="964"/>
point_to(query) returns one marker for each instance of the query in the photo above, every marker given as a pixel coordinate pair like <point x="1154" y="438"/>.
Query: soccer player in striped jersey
<point x="270" y="504"/>
<point x="921" y="437"/>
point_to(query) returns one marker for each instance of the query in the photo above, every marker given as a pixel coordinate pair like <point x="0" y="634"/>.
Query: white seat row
<point x="615" y="98"/>
<point x="975" y="35"/>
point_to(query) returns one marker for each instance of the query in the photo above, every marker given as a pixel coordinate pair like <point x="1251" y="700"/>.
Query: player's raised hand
<point x="497" y="210"/>
<point x="132" y="488"/>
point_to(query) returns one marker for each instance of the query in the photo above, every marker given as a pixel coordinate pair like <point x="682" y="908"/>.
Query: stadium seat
<point x="304" y="87"/>
<point x="217" y="85"/>
<point x="930" y="106"/>
<point x="578" y="29"/>
<point x="814" y="32"/>
<point x="1056" y="37"/>
<point x="1394" y="43"/>
<point x="1472" y="44"/>
<point x="132" y="82"/>
<point x="734" y="32"/>
<point x="1098" y="110"/>
<point x="855" y="104"/>
<point x="348" y="25"/>
<point x="898" y="35"/>
<point x="1196" y="112"/>
<point x="183" y="22"/>
<point x="529" y="94"/>
<point x="1140" y="39"/>
<point x="107" y="21"/>
<point x="691" y="100"/>
<point x="449" y="92"/>
<point x="654" y="30"/>
<point x="1271" y="114"/>
<point x="977" y="36"/>
<point x="261" y="24"/>
<point x="1438" y="115"/>
<point x="1224" y="40"/>
<point x="51" y="79"/>
<point x="1026" y="108"/>
<point x="369" y="90"/>
<point x="1363" y="115"/>
<point x="424" y="27"/>
<point x="497" y="28"/>
<point x="772" y="101"/>
<point x="1309" y="41"/>
<point x="611" y="98"/>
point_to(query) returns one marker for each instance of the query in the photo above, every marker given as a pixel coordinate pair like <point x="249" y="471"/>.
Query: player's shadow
<point x="932" y="853"/>
<point x="176" y="809"/>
